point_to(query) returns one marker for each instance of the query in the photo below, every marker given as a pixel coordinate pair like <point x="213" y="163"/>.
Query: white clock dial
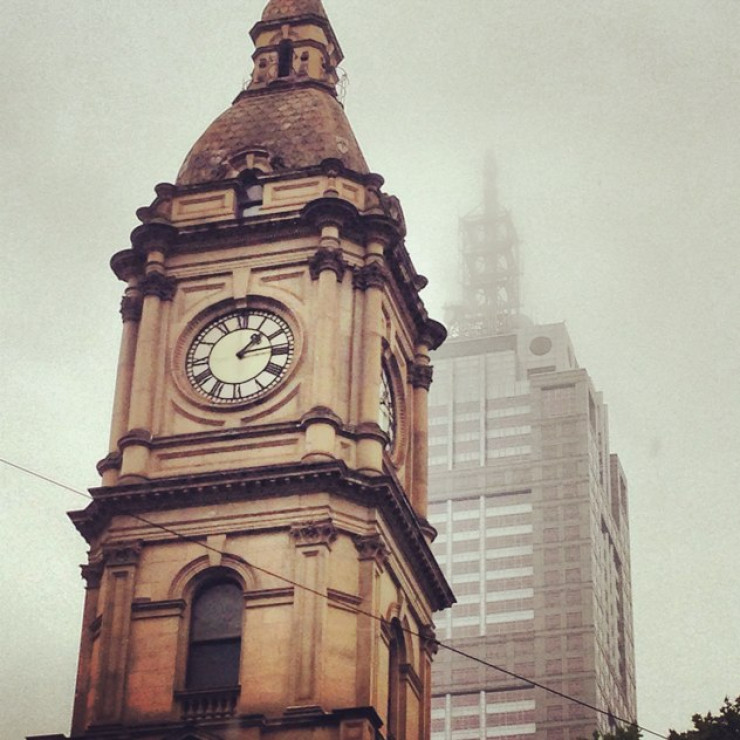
<point x="240" y="356"/>
<point x="387" y="410"/>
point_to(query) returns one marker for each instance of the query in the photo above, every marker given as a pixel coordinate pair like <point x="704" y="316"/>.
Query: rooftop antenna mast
<point x="489" y="267"/>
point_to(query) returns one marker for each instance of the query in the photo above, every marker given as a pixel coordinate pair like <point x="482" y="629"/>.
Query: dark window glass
<point x="215" y="637"/>
<point x="285" y="58"/>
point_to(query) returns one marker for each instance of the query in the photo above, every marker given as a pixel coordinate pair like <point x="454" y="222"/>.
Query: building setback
<point x="531" y="509"/>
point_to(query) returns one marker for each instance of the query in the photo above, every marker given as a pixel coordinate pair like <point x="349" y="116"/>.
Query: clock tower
<point x="259" y="561"/>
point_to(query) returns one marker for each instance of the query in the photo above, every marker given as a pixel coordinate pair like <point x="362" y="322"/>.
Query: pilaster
<point x="372" y="554"/>
<point x="327" y="269"/>
<point x="313" y="541"/>
<point x="152" y="240"/>
<point x="370" y="280"/>
<point x="121" y="563"/>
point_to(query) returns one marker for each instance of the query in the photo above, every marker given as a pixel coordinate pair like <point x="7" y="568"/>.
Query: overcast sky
<point x="615" y="126"/>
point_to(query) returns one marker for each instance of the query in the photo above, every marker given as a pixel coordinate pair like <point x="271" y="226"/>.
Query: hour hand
<point x="255" y="339"/>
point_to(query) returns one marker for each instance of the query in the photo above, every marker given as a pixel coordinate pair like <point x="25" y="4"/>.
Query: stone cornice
<point x="275" y="481"/>
<point x="153" y="236"/>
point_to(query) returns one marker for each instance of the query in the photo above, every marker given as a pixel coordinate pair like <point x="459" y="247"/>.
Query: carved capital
<point x="306" y="534"/>
<point x="122" y="553"/>
<point x="369" y="276"/>
<point x="420" y="376"/>
<point x="155" y="283"/>
<point x="112" y="461"/>
<point x="92" y="573"/>
<point x="327" y="259"/>
<point x="372" y="547"/>
<point x="131" y="307"/>
<point x="429" y="642"/>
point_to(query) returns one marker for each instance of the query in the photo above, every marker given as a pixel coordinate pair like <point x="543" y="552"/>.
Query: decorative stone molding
<point x="92" y="573"/>
<point x="429" y="642"/>
<point x="308" y="534"/>
<point x="327" y="259"/>
<point x="372" y="547"/>
<point x="156" y="235"/>
<point x="124" y="553"/>
<point x="371" y="430"/>
<point x="420" y="376"/>
<point x="321" y="414"/>
<point x="157" y="284"/>
<point x="135" y="437"/>
<point x="370" y="276"/>
<point x="131" y="307"/>
<point x="112" y="461"/>
<point x="433" y="333"/>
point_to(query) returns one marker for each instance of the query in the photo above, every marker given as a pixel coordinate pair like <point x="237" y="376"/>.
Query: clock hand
<point x="246" y="351"/>
<point x="256" y="339"/>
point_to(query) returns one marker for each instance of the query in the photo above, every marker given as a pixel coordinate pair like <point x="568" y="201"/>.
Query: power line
<point x="295" y="584"/>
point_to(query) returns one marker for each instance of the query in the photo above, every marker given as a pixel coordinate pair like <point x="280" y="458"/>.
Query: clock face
<point x="240" y="356"/>
<point x="387" y="411"/>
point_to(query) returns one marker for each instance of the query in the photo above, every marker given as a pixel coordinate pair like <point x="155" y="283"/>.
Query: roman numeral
<point x="203" y="377"/>
<point x="217" y="388"/>
<point x="281" y="349"/>
<point x="273" y="369"/>
<point x="243" y="320"/>
<point x="275" y="335"/>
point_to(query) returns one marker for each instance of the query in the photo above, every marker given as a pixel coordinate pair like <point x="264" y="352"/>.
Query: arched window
<point x="285" y="58"/>
<point x="215" y="636"/>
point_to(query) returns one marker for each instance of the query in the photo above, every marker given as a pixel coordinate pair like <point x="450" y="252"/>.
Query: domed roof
<point x="298" y="127"/>
<point x="288" y="8"/>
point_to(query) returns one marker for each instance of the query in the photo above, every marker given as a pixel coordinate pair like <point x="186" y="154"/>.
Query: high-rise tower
<point x="259" y="560"/>
<point x="531" y="509"/>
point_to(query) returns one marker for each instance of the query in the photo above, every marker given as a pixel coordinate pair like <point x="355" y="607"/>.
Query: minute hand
<point x="247" y="351"/>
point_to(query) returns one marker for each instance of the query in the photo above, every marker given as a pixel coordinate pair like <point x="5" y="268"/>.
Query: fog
<point x="615" y="127"/>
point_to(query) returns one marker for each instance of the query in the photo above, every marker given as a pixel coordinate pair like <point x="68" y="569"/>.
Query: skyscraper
<point x="531" y="509"/>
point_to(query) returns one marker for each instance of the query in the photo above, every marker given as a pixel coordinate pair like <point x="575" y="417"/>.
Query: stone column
<point x="127" y="268"/>
<point x="156" y="287"/>
<point x="420" y="378"/>
<point x="327" y="268"/>
<point x="371" y="280"/>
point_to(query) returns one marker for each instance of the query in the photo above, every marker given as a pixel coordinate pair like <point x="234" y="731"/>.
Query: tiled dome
<point x="288" y="8"/>
<point x="298" y="127"/>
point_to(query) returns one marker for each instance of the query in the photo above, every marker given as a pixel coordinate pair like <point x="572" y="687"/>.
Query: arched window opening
<point x="285" y="58"/>
<point x="215" y="636"/>
<point x="396" y="659"/>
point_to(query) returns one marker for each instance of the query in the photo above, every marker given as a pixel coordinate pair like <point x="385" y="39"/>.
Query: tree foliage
<point x="722" y="726"/>
<point x="631" y="732"/>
